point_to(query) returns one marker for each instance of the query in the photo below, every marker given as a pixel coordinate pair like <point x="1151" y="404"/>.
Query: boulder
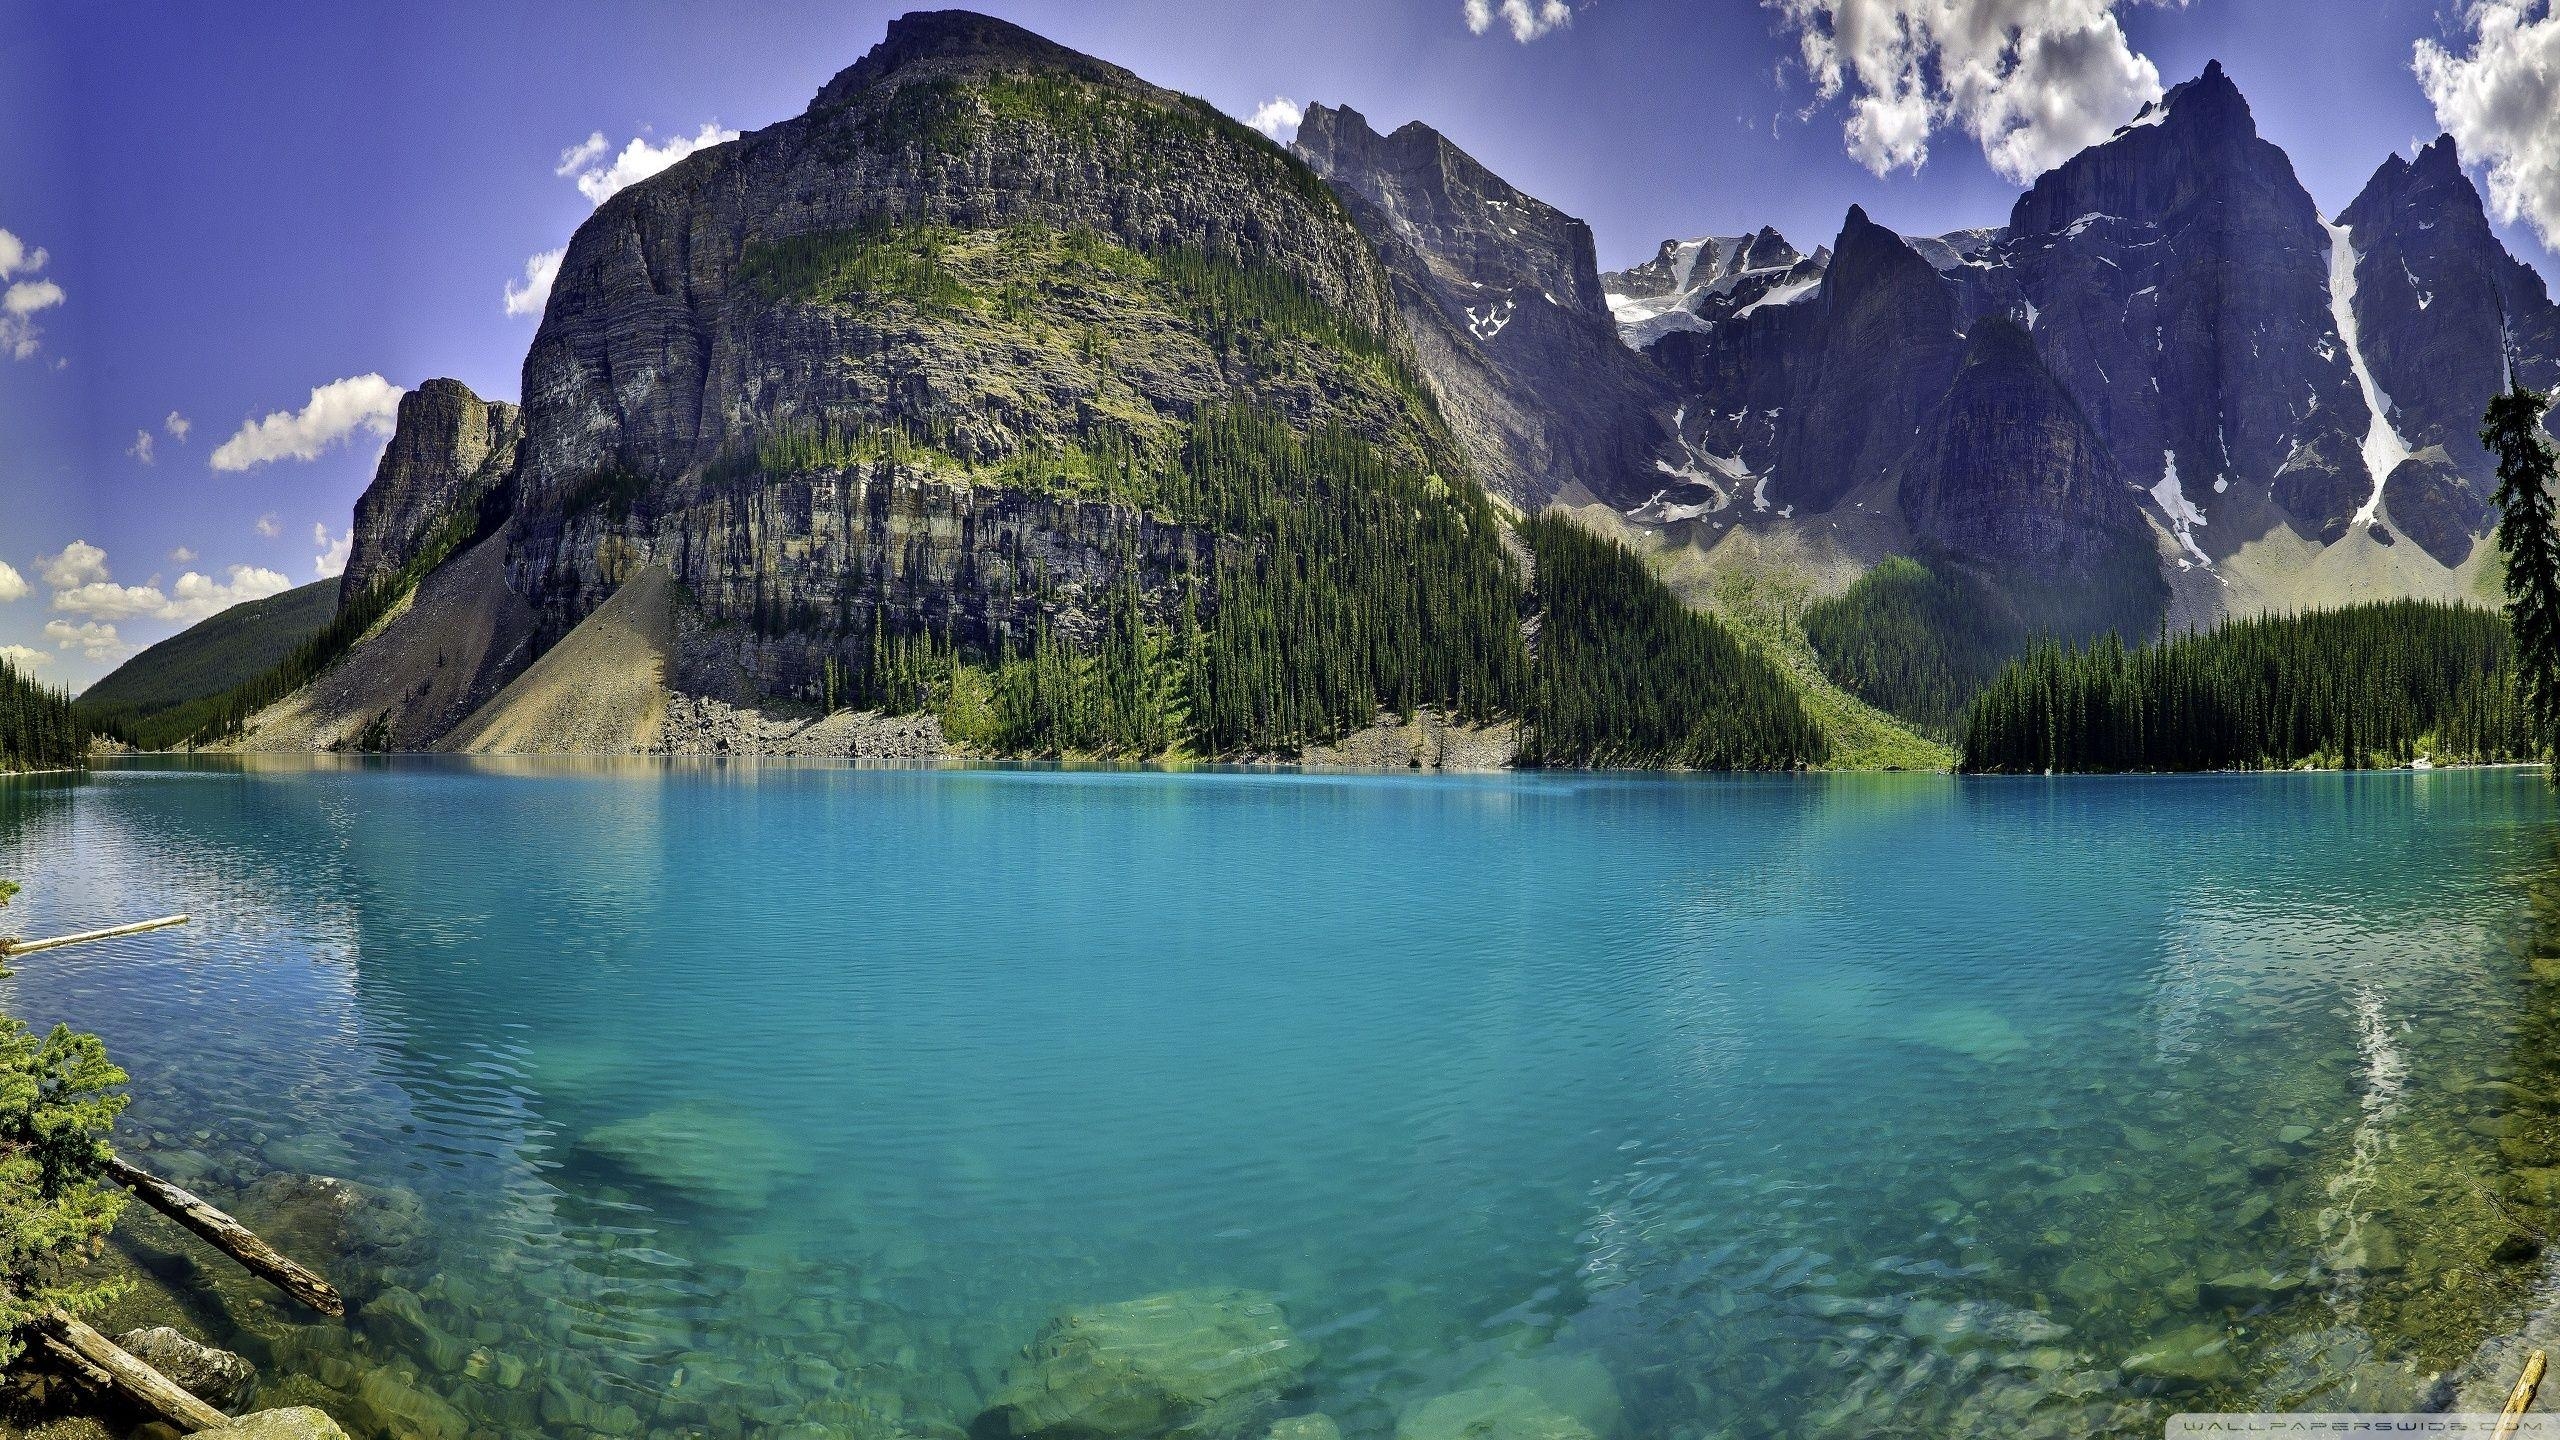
<point x="299" y="1423"/>
<point x="711" y="1157"/>
<point x="1194" y="1363"/>
<point x="1489" y="1412"/>
<point x="1305" y="1427"/>
<point x="2198" y="1355"/>
<point x="321" y="1220"/>
<point x="216" y="1377"/>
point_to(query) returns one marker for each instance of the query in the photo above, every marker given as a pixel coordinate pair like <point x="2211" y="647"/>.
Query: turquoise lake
<point x="795" y="1100"/>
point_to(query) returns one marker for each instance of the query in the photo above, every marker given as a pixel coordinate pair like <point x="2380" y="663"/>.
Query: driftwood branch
<point x="2520" y="1399"/>
<point x="99" y="1360"/>
<point x="230" y="1237"/>
<point x="9" y="948"/>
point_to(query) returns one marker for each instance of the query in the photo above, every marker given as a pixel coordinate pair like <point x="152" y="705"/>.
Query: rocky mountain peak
<point x="448" y="447"/>
<point x="1488" y="234"/>
<point x="927" y="44"/>
<point x="2197" y="145"/>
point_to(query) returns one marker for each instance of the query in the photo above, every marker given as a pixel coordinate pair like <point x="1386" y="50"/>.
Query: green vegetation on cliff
<point x="38" y="730"/>
<point x="2368" y="684"/>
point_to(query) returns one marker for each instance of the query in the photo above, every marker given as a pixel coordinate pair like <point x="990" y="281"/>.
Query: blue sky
<point x="238" y="205"/>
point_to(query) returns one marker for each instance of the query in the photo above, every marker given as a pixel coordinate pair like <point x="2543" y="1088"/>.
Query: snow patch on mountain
<point x="2183" y="514"/>
<point x="2383" y="447"/>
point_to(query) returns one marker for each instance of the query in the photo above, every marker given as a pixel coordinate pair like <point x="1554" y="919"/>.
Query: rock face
<point x="1185" y="1366"/>
<point x="448" y="448"/>
<point x="2251" y="370"/>
<point x="877" y="360"/>
<point x="2443" y="312"/>
<point x="1505" y="303"/>
<point x="2012" y="483"/>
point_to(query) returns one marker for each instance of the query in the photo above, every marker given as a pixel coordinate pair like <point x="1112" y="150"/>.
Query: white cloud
<point x="2032" y="81"/>
<point x="92" y="639"/>
<point x="24" y="299"/>
<point x="17" y="256"/>
<point x="78" y="563"/>
<point x="638" y="161"/>
<point x="140" y="449"/>
<point x="528" y="296"/>
<point x="177" y="425"/>
<point x="581" y="155"/>
<point x="2501" y="103"/>
<point x="13" y="586"/>
<point x="197" y="596"/>
<point x="23" y="658"/>
<point x="194" y="597"/>
<point x="182" y="556"/>
<point x="1275" y="115"/>
<point x="1528" y="19"/>
<point x="335" y="411"/>
<point x="332" y="559"/>
<point x="270" y="526"/>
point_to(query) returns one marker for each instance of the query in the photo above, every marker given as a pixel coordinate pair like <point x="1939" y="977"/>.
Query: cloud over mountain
<point x="2032" y="81"/>
<point x="334" y="412"/>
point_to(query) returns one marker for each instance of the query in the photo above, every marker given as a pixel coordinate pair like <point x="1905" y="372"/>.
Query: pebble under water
<point x="796" y="1100"/>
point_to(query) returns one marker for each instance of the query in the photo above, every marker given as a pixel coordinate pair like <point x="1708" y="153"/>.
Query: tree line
<point x="2376" y="684"/>
<point x="37" y="729"/>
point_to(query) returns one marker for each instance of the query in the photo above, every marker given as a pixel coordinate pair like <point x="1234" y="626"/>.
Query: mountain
<point x="2279" y="408"/>
<point x="448" y="449"/>
<point x="1005" y="400"/>
<point x="210" y="656"/>
<point x="1503" y="298"/>
<point x="2448" y="315"/>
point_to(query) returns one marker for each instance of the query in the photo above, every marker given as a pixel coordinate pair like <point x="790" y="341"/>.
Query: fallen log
<point x="11" y="948"/>
<point x="2520" y="1399"/>
<point x="230" y="1237"/>
<point x="92" y="1355"/>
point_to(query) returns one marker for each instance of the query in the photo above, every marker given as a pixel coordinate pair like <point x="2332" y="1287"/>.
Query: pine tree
<point x="59" y="1096"/>
<point x="2513" y="433"/>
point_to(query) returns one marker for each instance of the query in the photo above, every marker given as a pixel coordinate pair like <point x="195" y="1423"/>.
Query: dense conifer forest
<point x="37" y="728"/>
<point x="2366" y="685"/>
<point x="1628" y="676"/>
<point x="1912" y="643"/>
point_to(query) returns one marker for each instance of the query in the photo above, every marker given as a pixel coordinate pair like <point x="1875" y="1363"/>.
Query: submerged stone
<point x="217" y="1377"/>
<point x="1194" y="1363"/>
<point x="1305" y="1427"/>
<point x="2256" y="1286"/>
<point x="299" y="1423"/>
<point x="1490" y="1412"/>
<point x="716" y="1158"/>
<point x="2195" y="1356"/>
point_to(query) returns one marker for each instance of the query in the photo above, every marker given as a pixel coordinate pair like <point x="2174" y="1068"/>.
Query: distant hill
<point x="210" y="657"/>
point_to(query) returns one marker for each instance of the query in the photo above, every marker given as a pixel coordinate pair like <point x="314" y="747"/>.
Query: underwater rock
<point x="714" y="1158"/>
<point x="399" y="1407"/>
<point x="299" y="1423"/>
<point x="1305" y="1427"/>
<point x="216" y="1377"/>
<point x="2372" y="1250"/>
<point x="1575" y="1383"/>
<point x="1192" y="1363"/>
<point x="1977" y="1322"/>
<point x="1490" y="1412"/>
<point x="2256" y="1286"/>
<point x="2196" y="1355"/>
<point x="320" y="1219"/>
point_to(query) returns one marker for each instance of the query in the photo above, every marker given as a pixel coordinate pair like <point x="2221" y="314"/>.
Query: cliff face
<point x="1502" y="296"/>
<point x="927" y="351"/>
<point x="2444" y="312"/>
<point x="447" y="448"/>
<point x="2011" y="482"/>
